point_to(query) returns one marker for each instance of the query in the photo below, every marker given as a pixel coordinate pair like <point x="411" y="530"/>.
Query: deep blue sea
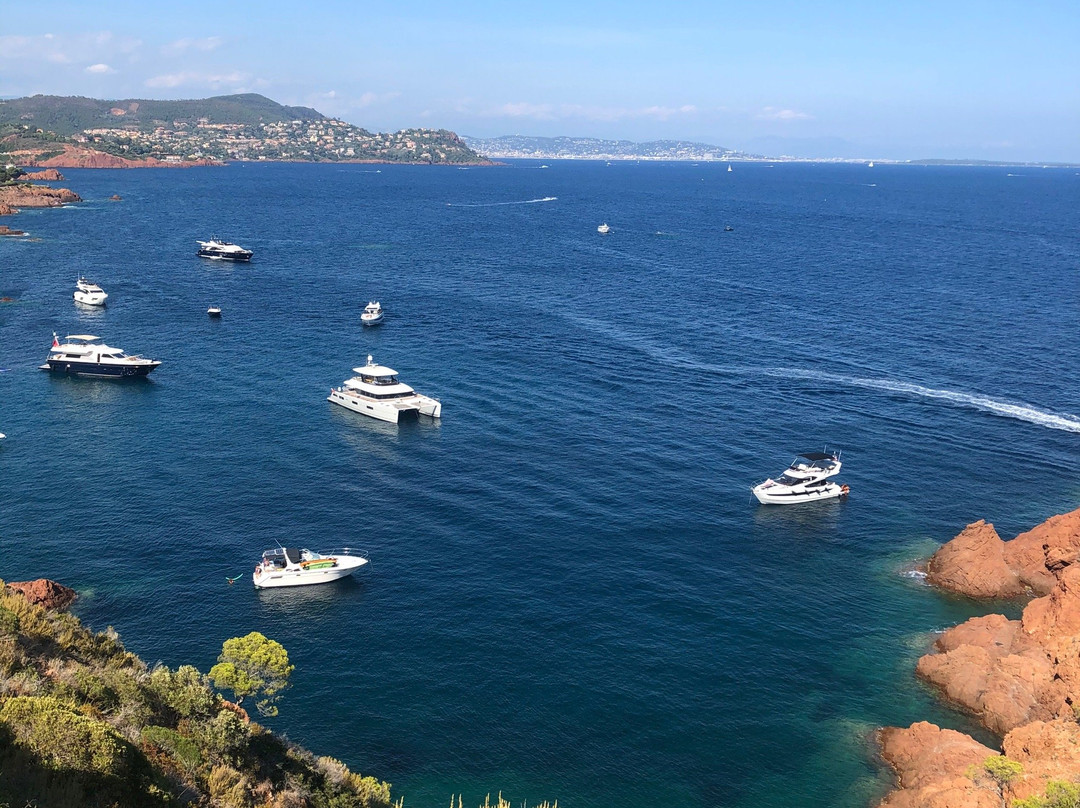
<point x="571" y="595"/>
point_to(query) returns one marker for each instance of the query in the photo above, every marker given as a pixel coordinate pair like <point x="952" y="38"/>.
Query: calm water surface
<point x="570" y="594"/>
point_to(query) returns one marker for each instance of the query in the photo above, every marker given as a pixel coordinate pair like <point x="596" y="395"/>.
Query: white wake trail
<point x="500" y="204"/>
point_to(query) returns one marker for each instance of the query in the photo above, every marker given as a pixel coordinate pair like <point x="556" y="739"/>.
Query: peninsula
<point x="55" y="131"/>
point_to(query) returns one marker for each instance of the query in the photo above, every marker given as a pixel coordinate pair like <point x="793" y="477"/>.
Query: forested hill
<point x="68" y="115"/>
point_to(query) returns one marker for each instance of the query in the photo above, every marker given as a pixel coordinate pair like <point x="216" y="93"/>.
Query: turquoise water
<point x="570" y="595"/>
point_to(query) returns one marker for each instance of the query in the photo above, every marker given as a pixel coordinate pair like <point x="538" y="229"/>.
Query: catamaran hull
<point x="780" y="495"/>
<point x="216" y="256"/>
<point x="125" y="371"/>
<point x="389" y="411"/>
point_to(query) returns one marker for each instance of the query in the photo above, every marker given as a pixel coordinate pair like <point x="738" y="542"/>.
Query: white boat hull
<point x="270" y="578"/>
<point x="392" y="411"/>
<point x="90" y="298"/>
<point x="769" y="493"/>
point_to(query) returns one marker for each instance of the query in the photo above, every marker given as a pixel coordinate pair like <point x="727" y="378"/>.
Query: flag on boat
<point x="55" y="341"/>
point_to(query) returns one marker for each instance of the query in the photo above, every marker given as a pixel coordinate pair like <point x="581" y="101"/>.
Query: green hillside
<point x="69" y="115"/>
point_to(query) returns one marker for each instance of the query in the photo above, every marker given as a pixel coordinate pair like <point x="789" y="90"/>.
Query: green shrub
<point x="229" y="788"/>
<point x="63" y="738"/>
<point x="184" y="750"/>
<point x="1004" y="770"/>
<point x="1059" y="794"/>
<point x="184" y="691"/>
<point x="224" y="737"/>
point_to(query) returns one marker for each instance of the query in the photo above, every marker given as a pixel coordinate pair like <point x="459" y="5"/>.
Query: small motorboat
<point x="289" y="566"/>
<point x="220" y="250"/>
<point x="214" y="311"/>
<point x="372" y="314"/>
<point x="805" y="480"/>
<point x="89" y="293"/>
<point x="603" y="228"/>
<point x="728" y="228"/>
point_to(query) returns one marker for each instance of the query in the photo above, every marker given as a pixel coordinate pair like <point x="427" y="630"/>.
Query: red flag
<point x="55" y="341"/>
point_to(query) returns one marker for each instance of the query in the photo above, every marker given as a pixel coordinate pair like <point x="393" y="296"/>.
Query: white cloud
<point x="93" y="47"/>
<point x="774" y="114"/>
<point x="99" y="68"/>
<point x="189" y="78"/>
<point x="183" y="45"/>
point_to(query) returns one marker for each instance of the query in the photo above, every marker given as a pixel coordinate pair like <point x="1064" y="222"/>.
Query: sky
<point x="831" y="78"/>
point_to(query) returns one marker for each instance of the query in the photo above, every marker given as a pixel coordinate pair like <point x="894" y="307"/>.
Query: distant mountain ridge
<point x="587" y="148"/>
<point x="69" y="115"/>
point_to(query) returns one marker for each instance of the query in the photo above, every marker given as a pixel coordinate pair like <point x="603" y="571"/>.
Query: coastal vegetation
<point x="84" y="722"/>
<point x="237" y="127"/>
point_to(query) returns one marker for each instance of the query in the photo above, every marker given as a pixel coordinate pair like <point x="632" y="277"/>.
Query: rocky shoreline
<point x="1019" y="678"/>
<point x="14" y="197"/>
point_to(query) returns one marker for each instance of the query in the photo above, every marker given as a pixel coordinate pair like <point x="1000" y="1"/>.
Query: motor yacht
<point x="89" y="293"/>
<point x="223" y="250"/>
<point x="376" y="391"/>
<point x="86" y="355"/>
<point x="214" y="311"/>
<point x="603" y="228"/>
<point x="372" y="314"/>
<point x="805" y="480"/>
<point x="288" y="566"/>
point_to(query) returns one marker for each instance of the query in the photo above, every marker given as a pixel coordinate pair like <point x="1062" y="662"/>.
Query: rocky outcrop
<point x="1011" y="672"/>
<point x="44" y="592"/>
<point x="977" y="563"/>
<point x="7" y="231"/>
<point x="116" y="198"/>
<point x="933" y="766"/>
<point x="13" y="197"/>
<point x="48" y="175"/>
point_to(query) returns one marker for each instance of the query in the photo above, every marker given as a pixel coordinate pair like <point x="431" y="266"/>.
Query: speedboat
<point x="89" y="293"/>
<point x="372" y="314"/>
<point x="223" y="250"/>
<point x="376" y="391"/>
<point x="214" y="311"/>
<point x="603" y="228"/>
<point x="86" y="355"/>
<point x="288" y="566"/>
<point x="805" y="480"/>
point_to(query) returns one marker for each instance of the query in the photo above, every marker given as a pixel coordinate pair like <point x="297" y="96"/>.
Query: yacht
<point x="805" y="480"/>
<point x="372" y="314"/>
<point x="288" y="566"/>
<point x="89" y="293"/>
<point x="376" y="391"/>
<point x="603" y="228"/>
<point x="86" y="355"/>
<point x="214" y="311"/>
<point x="223" y="251"/>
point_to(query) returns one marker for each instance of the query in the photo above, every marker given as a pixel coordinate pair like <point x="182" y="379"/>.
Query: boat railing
<point x="356" y="552"/>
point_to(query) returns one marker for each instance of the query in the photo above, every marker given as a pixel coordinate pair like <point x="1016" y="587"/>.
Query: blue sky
<point x="993" y="80"/>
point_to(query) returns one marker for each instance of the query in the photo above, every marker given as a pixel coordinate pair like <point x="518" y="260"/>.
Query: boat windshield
<point x="379" y="379"/>
<point x="785" y="479"/>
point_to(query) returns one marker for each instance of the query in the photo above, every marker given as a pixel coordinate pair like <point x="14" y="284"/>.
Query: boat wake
<point x="500" y="204"/>
<point x="1007" y="409"/>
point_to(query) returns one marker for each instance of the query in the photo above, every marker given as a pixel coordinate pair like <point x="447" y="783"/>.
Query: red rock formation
<point x="1012" y="672"/>
<point x="1047" y="751"/>
<point x="75" y="156"/>
<point x="48" y="175"/>
<point x="979" y="564"/>
<point x="35" y="196"/>
<point x="44" y="592"/>
<point x="933" y="765"/>
<point x="7" y="231"/>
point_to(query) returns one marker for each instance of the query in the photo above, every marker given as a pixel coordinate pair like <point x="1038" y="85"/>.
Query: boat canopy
<point x="83" y="337"/>
<point x="815" y="456"/>
<point x="374" y="370"/>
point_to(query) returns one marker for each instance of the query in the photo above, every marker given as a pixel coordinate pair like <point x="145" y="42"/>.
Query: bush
<point x="229" y="788"/>
<point x="224" y="737"/>
<point x="184" y="750"/>
<point x="1004" y="770"/>
<point x="184" y="691"/>
<point x="1059" y="794"/>
<point x="63" y="738"/>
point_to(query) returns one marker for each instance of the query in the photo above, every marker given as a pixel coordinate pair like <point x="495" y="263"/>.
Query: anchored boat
<point x="288" y="566"/>
<point x="805" y="480"/>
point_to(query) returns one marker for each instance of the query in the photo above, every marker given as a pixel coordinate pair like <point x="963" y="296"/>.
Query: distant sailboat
<point x="729" y="167"/>
<point x="871" y="164"/>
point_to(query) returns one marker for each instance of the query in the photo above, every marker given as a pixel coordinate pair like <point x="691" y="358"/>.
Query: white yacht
<point x="603" y="228"/>
<point x="214" y="311"/>
<point x="805" y="480"/>
<point x="372" y="314"/>
<point x="223" y="251"/>
<point x="288" y="566"/>
<point x="87" y="355"/>
<point x="376" y="391"/>
<point x="89" y="293"/>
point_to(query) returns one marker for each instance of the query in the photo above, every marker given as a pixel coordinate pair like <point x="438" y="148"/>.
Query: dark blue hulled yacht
<point x="86" y="355"/>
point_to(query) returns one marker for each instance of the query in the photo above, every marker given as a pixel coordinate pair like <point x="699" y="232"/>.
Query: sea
<point x="571" y="594"/>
